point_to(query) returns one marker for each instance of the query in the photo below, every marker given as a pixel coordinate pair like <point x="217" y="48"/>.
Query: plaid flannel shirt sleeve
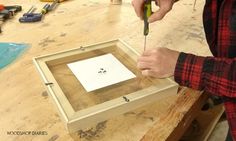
<point x="214" y="75"/>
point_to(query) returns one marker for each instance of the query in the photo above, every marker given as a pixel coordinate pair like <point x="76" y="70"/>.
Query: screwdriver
<point x="147" y="13"/>
<point x="45" y="9"/>
<point x="53" y="5"/>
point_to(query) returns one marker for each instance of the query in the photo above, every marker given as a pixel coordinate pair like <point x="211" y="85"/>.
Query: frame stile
<point x="65" y="110"/>
<point x="91" y="116"/>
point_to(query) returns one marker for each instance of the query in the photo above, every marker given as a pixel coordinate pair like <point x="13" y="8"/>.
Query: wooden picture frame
<point x="62" y="86"/>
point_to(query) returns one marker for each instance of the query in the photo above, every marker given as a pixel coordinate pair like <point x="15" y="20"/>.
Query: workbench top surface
<point x="25" y="104"/>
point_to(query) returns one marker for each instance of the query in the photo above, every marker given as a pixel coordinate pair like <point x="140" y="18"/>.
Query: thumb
<point x="158" y="15"/>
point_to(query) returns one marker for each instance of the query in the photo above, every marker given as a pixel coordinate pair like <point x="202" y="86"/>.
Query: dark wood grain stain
<point x="44" y="42"/>
<point x="139" y="115"/>
<point x="45" y="94"/>
<point x="53" y="138"/>
<point x="93" y="132"/>
<point x="62" y="34"/>
<point x="70" y="24"/>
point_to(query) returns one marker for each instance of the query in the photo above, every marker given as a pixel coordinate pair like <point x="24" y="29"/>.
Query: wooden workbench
<point x="24" y="103"/>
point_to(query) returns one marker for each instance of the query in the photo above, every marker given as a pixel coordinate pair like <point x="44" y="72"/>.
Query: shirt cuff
<point x="189" y="71"/>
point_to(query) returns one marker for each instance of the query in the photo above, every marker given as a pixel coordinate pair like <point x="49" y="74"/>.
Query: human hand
<point x="164" y="7"/>
<point x="158" y="62"/>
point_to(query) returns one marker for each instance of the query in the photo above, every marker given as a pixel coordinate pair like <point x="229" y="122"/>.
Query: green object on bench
<point x="10" y="52"/>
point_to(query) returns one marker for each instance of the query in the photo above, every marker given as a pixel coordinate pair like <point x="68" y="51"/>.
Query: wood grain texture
<point x="25" y="104"/>
<point x="185" y="116"/>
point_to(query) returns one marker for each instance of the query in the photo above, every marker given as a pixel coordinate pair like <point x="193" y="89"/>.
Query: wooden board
<point x="26" y="106"/>
<point x="80" y="109"/>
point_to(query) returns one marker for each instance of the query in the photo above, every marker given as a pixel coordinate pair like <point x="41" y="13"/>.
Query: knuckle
<point x="157" y="72"/>
<point x="145" y="72"/>
<point x="155" y="51"/>
<point x="139" y="59"/>
<point x="161" y="18"/>
<point x="167" y="9"/>
<point x="138" y="65"/>
<point x="158" y="51"/>
<point x="158" y="17"/>
<point x="133" y="3"/>
<point x="156" y="60"/>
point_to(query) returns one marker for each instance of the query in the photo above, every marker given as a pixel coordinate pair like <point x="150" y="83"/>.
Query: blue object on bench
<point x="10" y="52"/>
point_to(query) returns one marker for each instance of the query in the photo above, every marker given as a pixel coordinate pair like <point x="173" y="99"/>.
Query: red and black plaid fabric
<point x="215" y="75"/>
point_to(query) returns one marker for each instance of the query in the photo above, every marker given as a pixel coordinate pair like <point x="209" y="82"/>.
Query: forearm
<point x="214" y="75"/>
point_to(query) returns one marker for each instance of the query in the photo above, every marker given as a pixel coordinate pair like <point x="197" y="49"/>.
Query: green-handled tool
<point x="147" y="14"/>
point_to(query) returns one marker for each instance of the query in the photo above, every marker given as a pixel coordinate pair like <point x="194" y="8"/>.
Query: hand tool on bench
<point x="147" y="14"/>
<point x="1" y="26"/>
<point x="15" y="8"/>
<point x="53" y="5"/>
<point x="31" y="17"/>
<point x="1" y="7"/>
<point x="4" y="15"/>
<point x="45" y="9"/>
<point x="7" y="12"/>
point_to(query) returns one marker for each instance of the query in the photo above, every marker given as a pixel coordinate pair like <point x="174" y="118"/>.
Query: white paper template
<point x="98" y="72"/>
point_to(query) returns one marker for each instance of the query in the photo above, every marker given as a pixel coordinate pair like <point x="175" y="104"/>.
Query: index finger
<point x="138" y="7"/>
